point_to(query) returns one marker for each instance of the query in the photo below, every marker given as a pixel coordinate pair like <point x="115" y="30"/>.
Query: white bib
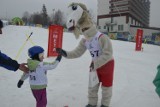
<point x="93" y="46"/>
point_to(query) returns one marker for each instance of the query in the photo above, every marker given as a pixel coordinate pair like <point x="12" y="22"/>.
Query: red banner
<point x="55" y="39"/>
<point x="139" y="39"/>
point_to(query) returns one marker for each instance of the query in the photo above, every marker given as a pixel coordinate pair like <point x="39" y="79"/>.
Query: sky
<point x="10" y="8"/>
<point x="68" y="83"/>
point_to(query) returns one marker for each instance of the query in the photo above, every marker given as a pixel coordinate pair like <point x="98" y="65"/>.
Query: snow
<point x="67" y="84"/>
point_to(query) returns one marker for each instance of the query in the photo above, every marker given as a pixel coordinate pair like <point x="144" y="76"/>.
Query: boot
<point x="103" y="106"/>
<point x="91" y="105"/>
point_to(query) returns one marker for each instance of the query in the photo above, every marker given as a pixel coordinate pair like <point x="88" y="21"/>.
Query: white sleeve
<point x="50" y="66"/>
<point x="78" y="51"/>
<point x="24" y="76"/>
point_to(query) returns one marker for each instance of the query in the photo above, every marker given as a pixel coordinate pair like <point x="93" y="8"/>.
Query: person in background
<point x="7" y="62"/>
<point x="37" y="74"/>
<point x="1" y="26"/>
<point x="156" y="81"/>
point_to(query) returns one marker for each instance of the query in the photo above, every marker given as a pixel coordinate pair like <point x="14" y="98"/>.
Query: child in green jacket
<point x="156" y="81"/>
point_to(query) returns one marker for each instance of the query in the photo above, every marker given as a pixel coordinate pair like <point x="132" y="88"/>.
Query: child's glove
<point x="59" y="57"/>
<point x="20" y="83"/>
<point x="61" y="52"/>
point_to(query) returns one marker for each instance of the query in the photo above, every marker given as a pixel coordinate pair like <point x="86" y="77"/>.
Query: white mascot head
<point x="78" y="19"/>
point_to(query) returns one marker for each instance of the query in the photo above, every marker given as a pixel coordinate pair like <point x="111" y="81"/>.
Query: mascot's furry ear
<point x="84" y="15"/>
<point x="82" y="19"/>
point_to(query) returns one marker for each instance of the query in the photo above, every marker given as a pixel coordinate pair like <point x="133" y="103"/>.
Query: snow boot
<point x="103" y="106"/>
<point x="91" y="105"/>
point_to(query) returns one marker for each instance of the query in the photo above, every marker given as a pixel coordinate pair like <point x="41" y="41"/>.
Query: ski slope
<point x="67" y="84"/>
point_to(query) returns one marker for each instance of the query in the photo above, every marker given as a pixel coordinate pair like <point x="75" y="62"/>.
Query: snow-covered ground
<point x="134" y="73"/>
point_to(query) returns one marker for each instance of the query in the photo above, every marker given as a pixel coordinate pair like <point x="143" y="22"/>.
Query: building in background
<point x="121" y="18"/>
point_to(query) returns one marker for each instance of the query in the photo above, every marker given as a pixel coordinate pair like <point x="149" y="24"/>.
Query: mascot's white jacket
<point x="105" y="45"/>
<point x="105" y="48"/>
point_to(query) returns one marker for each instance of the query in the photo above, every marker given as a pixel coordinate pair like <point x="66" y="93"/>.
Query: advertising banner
<point x="55" y="39"/>
<point x="139" y="39"/>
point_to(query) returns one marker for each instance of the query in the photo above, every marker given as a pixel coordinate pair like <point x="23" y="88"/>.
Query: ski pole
<point x="29" y="36"/>
<point x="22" y="47"/>
<point x="30" y="40"/>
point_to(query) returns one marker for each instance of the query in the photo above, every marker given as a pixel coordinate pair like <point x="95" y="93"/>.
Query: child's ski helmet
<point x="34" y="51"/>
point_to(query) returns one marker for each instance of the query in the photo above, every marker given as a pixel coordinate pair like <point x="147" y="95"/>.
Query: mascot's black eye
<point x="74" y="7"/>
<point x="70" y="20"/>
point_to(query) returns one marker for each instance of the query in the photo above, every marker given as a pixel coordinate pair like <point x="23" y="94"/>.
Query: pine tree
<point x="44" y="15"/>
<point x="58" y="18"/>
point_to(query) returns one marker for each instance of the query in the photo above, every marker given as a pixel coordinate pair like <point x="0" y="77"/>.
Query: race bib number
<point x="32" y="78"/>
<point x="94" y="53"/>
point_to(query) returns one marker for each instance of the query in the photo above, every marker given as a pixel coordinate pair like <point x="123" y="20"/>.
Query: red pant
<point x="105" y="74"/>
<point x="40" y="96"/>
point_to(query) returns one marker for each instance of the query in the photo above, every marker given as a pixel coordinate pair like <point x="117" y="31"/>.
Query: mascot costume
<point x="100" y="48"/>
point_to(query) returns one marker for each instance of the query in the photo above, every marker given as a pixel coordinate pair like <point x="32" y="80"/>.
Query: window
<point x="120" y="27"/>
<point x="111" y="27"/>
<point x="111" y="19"/>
